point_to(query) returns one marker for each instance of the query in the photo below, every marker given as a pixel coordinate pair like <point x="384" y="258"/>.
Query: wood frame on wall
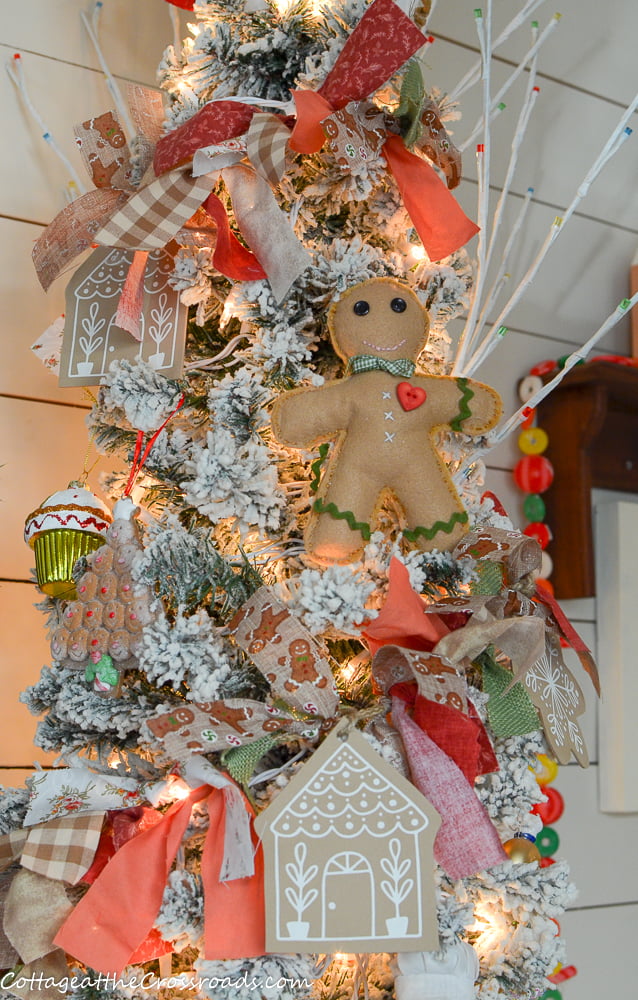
<point x="592" y="422"/>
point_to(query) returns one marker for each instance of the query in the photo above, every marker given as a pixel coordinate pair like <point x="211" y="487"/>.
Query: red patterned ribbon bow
<point x="382" y="41"/>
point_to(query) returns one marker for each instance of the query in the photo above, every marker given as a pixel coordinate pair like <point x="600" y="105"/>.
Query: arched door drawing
<point x="347" y="877"/>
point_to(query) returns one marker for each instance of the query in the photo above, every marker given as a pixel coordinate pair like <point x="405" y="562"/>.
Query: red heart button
<point x="410" y="396"/>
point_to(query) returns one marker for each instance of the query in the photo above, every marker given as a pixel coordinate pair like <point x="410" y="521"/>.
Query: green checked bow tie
<point x="370" y="362"/>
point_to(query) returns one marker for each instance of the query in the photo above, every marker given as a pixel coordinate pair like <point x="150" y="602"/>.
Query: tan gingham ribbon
<point x="61" y="849"/>
<point x="266" y="143"/>
<point x="155" y="214"/>
<point x="11" y="845"/>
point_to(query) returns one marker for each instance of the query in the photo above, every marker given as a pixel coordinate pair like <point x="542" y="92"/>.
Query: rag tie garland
<point x="247" y="149"/>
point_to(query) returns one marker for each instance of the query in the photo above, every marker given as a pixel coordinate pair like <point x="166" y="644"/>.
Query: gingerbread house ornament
<point x="348" y="856"/>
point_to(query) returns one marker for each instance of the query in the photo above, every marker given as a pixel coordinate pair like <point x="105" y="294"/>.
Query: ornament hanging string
<point x="139" y="458"/>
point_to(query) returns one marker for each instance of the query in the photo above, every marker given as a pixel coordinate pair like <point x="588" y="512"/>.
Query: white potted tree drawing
<point x="159" y="329"/>
<point x="396" y="887"/>
<point x="299" y="897"/>
<point x="90" y="342"/>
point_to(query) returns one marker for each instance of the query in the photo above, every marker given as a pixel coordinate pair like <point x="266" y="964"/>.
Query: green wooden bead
<point x="534" y="507"/>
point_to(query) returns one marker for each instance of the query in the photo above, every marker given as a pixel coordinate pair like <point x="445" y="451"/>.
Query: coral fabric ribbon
<point x="437" y="217"/>
<point x="112" y="920"/>
<point x="466" y="842"/>
<point x="402" y="621"/>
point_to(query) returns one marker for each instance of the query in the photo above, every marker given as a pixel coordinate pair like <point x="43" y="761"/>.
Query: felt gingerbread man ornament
<point x="383" y="419"/>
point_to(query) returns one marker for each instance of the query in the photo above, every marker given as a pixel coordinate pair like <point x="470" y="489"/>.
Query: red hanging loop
<point x="138" y="458"/>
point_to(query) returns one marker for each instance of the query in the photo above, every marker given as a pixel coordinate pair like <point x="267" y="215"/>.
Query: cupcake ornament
<point x="68" y="525"/>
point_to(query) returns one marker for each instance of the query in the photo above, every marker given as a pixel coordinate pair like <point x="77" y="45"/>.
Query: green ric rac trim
<point x="316" y="466"/>
<point x="464" y="410"/>
<point x="343" y="515"/>
<point x="458" y="517"/>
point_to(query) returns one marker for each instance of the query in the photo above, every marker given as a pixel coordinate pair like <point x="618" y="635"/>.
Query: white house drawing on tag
<point x="92" y="339"/>
<point x="348" y="856"/>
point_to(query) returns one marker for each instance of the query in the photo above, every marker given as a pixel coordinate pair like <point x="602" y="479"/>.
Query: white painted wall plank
<point x="64" y="95"/>
<point x="43" y="447"/>
<point x="132" y="34"/>
<point x="583" y="278"/>
<point x="601" y="943"/>
<point x="566" y="132"/>
<point x="26" y="313"/>
<point x="579" y="49"/>
<point x="593" y="842"/>
<point x="23" y="651"/>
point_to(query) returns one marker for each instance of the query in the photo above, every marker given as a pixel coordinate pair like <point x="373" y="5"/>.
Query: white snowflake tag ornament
<point x="559" y="700"/>
<point x="348" y="856"/>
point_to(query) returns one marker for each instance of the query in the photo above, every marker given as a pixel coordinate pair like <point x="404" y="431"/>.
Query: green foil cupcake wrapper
<point x="56" y="553"/>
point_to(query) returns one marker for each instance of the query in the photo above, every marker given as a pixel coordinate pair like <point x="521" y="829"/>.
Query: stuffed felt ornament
<point x="383" y="419"/>
<point x="101" y="631"/>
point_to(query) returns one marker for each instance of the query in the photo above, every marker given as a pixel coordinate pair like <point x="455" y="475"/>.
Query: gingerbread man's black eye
<point x="398" y="305"/>
<point x="361" y="308"/>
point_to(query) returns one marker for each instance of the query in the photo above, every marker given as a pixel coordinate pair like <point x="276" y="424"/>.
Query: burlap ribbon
<point x="33" y="909"/>
<point x="217" y="139"/>
<point x="141" y="218"/>
<point x="527" y="632"/>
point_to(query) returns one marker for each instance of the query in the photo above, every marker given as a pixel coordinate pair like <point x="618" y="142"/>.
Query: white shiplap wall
<point x="43" y="438"/>
<point x="587" y="74"/>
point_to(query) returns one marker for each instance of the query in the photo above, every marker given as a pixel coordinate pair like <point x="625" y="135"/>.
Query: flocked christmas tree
<point x="318" y="556"/>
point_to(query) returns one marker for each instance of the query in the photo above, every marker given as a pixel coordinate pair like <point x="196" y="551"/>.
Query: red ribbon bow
<point x="384" y="40"/>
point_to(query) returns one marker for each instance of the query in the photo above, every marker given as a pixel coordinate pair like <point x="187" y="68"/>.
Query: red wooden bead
<point x="541" y="532"/>
<point x="551" y="810"/>
<point x="543" y="368"/>
<point x="546" y="862"/>
<point x="534" y="474"/>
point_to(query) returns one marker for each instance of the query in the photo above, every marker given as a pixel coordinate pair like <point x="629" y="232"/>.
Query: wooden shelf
<point x="592" y="423"/>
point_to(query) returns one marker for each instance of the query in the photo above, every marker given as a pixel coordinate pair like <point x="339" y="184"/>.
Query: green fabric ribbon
<point x="370" y="362"/>
<point x="511" y="714"/>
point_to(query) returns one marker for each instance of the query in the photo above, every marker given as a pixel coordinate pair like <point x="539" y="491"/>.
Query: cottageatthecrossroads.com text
<point x="149" y="981"/>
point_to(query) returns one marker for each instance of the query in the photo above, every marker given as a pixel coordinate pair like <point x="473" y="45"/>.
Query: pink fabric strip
<point x="467" y="841"/>
<point x="129" y="308"/>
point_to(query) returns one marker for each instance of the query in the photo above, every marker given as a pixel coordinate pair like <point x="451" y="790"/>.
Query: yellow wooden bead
<point x="545" y="770"/>
<point x="533" y="441"/>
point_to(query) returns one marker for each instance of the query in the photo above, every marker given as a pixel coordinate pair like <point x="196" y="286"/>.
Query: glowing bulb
<point x="417" y="252"/>
<point x="348" y="671"/>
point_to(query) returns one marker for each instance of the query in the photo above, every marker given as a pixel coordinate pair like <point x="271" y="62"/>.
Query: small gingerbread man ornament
<point x="383" y="419"/>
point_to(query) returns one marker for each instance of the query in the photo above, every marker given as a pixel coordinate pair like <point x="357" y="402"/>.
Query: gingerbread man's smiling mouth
<point x="376" y="347"/>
